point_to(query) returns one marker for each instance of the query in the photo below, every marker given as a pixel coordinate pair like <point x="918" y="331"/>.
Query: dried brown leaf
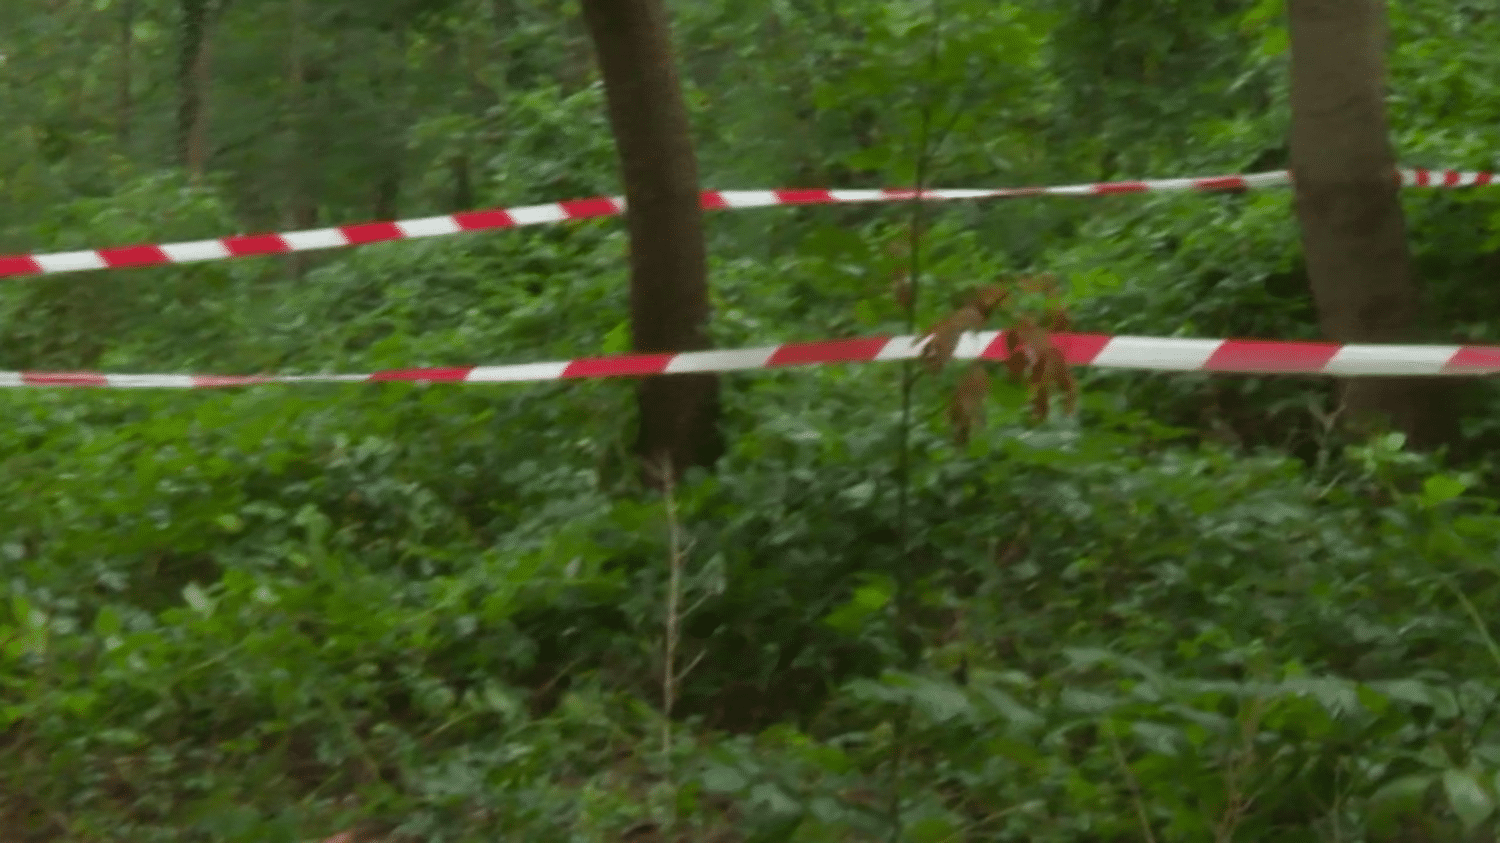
<point x="1016" y="360"/>
<point x="990" y="297"/>
<point x="901" y="289"/>
<point x="1031" y="334"/>
<point x="1041" y="400"/>
<point x="944" y="336"/>
<point x="1017" y="363"/>
<point x="1055" y="368"/>
<point x="1057" y="374"/>
<point x="966" y="411"/>
<point x="1057" y="319"/>
<point x="1044" y="284"/>
<point x="1070" y="391"/>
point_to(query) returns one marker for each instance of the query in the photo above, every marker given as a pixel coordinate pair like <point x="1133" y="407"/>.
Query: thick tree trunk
<point x="1353" y="230"/>
<point x="669" y="308"/>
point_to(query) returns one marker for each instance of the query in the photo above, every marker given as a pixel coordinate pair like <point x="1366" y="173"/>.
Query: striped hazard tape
<point x="248" y="245"/>
<point x="1165" y="354"/>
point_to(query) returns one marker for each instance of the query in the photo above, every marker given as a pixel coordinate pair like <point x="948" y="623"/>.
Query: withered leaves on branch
<point x="1031" y="356"/>
<point x="1033" y="359"/>
<point x="944" y="336"/>
<point x="1044" y="284"/>
<point x="899" y="252"/>
<point x="901" y="289"/>
<point x="966" y="410"/>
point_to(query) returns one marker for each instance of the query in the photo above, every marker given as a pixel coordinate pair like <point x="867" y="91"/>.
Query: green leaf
<point x="617" y="341"/>
<point x="1409" y="691"/>
<point x="107" y="622"/>
<point x="1274" y="42"/>
<point x="866" y="601"/>
<point x="1398" y="798"/>
<point x="721" y="779"/>
<point x="1441" y="488"/>
<point x="1160" y="739"/>
<point x="500" y="701"/>
<point x="1082" y="701"/>
<point x="871" y="691"/>
<point x="1012" y="711"/>
<point x="778" y="829"/>
<point x="774" y="800"/>
<point x="874" y="596"/>
<point x="20" y="609"/>
<point x="939" y="701"/>
<point x="1469" y="798"/>
<point x="198" y="599"/>
<point x="935" y="829"/>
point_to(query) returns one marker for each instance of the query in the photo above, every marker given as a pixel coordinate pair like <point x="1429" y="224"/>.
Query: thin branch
<point x="698" y="604"/>
<point x="1474" y="617"/>
<point x="1238" y="802"/>
<point x="669" y="676"/>
<point x="682" y="674"/>
<point x="1135" y="787"/>
<point x="909" y="369"/>
<point x="904" y="583"/>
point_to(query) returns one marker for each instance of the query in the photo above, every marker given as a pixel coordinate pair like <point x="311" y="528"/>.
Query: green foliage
<point x="1191" y="611"/>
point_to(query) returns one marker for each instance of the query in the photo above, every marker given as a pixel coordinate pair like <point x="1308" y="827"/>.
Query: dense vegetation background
<point x="1192" y="611"/>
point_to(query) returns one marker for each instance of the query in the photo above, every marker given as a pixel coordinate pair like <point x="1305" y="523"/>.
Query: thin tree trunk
<point x="1353" y="229"/>
<point x="669" y="307"/>
<point x="467" y="59"/>
<point x="387" y="199"/>
<point x="462" y="198"/>
<point x="458" y="54"/>
<point x="391" y="85"/>
<point x="194" y="78"/>
<point x="125" y="95"/>
<point x="301" y="198"/>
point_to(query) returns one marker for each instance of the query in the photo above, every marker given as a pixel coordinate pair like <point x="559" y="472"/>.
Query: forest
<point x="972" y="590"/>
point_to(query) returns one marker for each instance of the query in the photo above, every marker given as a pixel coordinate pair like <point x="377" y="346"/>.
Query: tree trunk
<point x="669" y="308"/>
<point x="462" y="56"/>
<point x="463" y="183"/>
<point x="124" y="92"/>
<point x="1353" y="230"/>
<point x="302" y="201"/>
<point x="390" y="86"/>
<point x="194" y="76"/>
<point x="386" y="203"/>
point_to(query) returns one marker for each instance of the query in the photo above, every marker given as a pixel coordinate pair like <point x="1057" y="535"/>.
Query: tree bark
<point x="194" y="77"/>
<point x="302" y="199"/>
<point x="462" y="196"/>
<point x="1353" y="229"/>
<point x="390" y="86"/>
<point x="385" y="204"/>
<point x="669" y="306"/>
<point x="125" y="84"/>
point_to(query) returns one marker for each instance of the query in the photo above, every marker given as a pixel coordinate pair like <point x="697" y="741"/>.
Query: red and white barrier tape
<point x="1166" y="354"/>
<point x="247" y="245"/>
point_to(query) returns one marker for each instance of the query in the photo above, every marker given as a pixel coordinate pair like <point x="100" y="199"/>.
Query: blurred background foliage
<point x="1193" y="611"/>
